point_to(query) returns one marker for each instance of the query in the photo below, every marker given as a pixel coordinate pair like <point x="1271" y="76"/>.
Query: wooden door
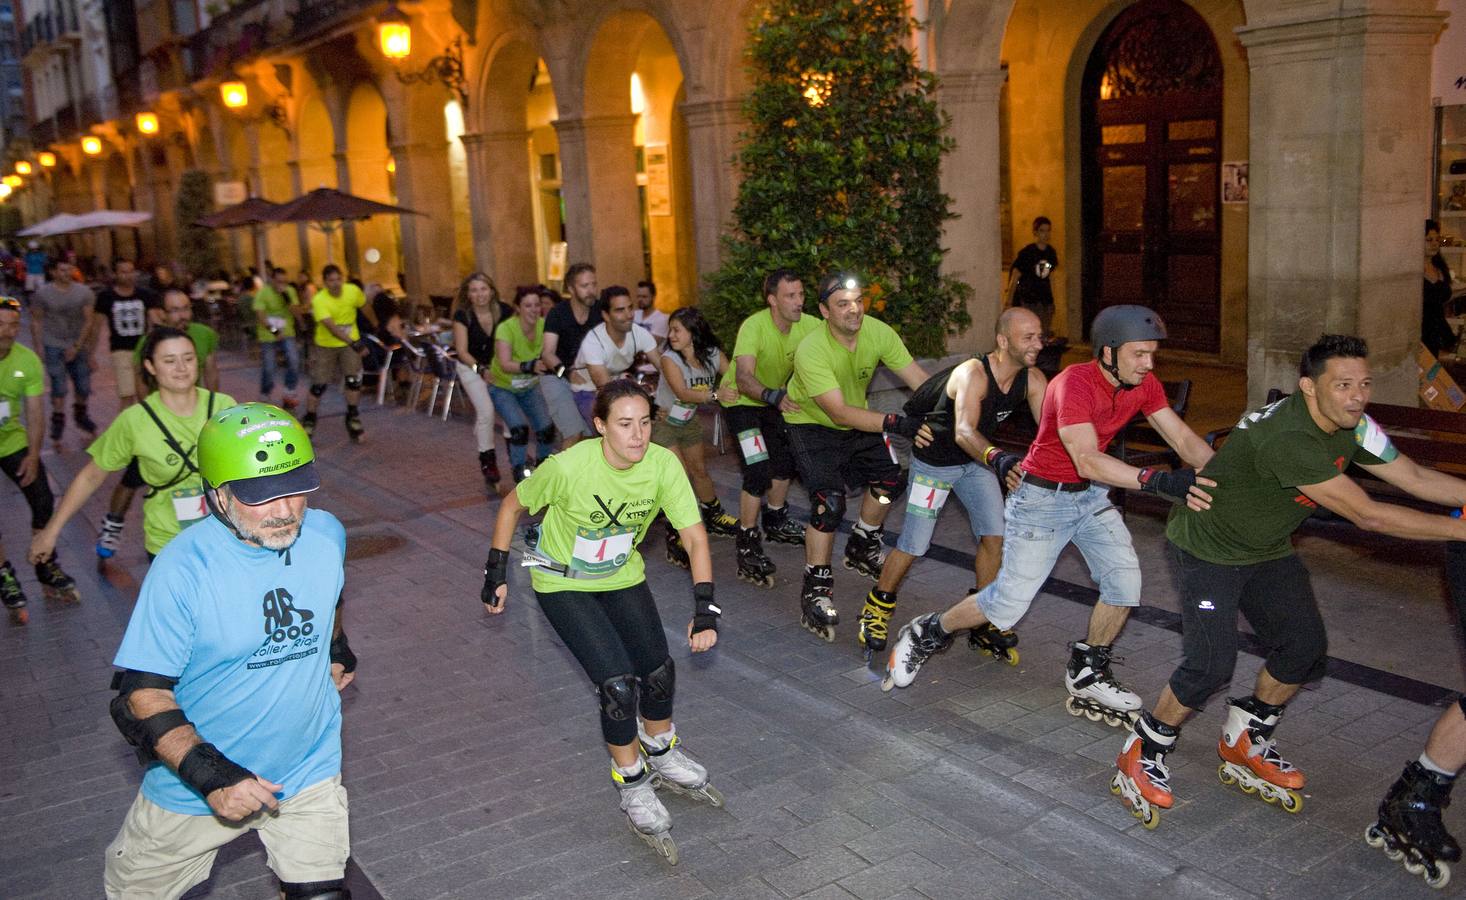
<point x="1152" y="123"/>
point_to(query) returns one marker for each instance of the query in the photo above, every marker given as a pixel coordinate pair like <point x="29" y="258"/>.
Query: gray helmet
<point x="1116" y="325"/>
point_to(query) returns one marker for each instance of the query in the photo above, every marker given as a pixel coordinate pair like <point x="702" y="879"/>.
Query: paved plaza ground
<point x="474" y="763"/>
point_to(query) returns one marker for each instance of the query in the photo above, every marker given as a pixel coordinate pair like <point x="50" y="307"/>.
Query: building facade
<point x="528" y="131"/>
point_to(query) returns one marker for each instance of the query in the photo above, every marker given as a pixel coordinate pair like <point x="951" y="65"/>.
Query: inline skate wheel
<point x="1093" y="715"/>
<point x="1115" y="785"/>
<point x="1010" y="657"/>
<point x="1071" y="704"/>
<point x="1440" y="877"/>
<point x="662" y="843"/>
<point x="1226" y="777"/>
<point x="1150" y="819"/>
<point x="1374" y="837"/>
<point x="713" y="796"/>
<point x="887" y="684"/>
<point x="1291" y="802"/>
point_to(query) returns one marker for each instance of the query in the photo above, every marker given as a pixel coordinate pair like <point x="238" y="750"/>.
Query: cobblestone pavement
<point x="473" y="756"/>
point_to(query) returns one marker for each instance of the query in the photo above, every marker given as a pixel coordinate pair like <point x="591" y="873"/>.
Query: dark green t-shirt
<point x="1256" y="504"/>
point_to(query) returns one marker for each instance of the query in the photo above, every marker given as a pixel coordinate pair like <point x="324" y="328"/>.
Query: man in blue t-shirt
<point x="231" y="666"/>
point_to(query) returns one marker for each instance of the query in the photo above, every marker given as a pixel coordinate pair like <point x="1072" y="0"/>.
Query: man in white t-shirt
<point x="647" y="314"/>
<point x="610" y="349"/>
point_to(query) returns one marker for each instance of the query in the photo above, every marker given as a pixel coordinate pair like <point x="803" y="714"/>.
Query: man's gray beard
<point x="278" y="542"/>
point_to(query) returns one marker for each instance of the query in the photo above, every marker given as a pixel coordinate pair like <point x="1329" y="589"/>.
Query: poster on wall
<point x="658" y="181"/>
<point x="1234" y="182"/>
<point x="559" y="254"/>
<point x="1448" y="64"/>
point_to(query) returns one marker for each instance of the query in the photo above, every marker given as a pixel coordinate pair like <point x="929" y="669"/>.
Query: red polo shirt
<point x="1079" y="394"/>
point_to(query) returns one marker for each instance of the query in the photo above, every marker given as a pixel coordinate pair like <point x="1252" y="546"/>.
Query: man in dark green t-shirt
<point x="1278" y="465"/>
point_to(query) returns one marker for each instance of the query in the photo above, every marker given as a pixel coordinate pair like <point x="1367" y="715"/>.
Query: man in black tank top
<point x="962" y="406"/>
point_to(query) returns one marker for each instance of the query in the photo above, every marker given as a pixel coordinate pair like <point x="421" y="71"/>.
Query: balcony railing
<point x="313" y="17"/>
<point x="245" y="29"/>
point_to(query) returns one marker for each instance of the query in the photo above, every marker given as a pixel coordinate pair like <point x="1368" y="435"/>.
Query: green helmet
<point x="260" y="451"/>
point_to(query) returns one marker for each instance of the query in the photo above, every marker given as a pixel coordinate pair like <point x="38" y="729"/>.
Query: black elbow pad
<point x="143" y="734"/>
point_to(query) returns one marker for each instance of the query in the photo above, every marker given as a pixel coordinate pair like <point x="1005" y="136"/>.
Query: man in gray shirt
<point x="64" y="327"/>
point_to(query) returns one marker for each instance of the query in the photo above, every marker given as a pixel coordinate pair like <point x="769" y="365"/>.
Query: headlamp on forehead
<point x="842" y="281"/>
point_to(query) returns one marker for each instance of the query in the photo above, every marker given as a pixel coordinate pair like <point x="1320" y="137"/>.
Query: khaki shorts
<point x="330" y="364"/>
<point x="126" y="375"/>
<point x="162" y="854"/>
<point x="668" y="435"/>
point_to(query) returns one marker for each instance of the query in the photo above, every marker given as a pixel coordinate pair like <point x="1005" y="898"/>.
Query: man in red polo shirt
<point x="1064" y="497"/>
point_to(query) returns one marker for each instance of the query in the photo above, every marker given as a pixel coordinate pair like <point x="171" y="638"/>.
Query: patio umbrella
<point x="252" y="211"/>
<point x="110" y="218"/>
<point x="326" y="208"/>
<point x="57" y="224"/>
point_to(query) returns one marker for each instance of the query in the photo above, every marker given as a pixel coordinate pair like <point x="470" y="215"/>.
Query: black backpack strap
<point x="187" y="468"/>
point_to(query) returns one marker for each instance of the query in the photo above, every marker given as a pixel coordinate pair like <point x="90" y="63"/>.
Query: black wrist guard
<point x="206" y="770"/>
<point x="705" y="612"/>
<point x="906" y="426"/>
<point x="495" y="573"/>
<point x="1003" y="463"/>
<point x="358" y="345"/>
<point x="1172" y="485"/>
<point x="527" y="367"/>
<point x="772" y="396"/>
<point x="341" y="653"/>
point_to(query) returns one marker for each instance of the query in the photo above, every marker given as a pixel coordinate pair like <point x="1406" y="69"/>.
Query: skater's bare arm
<point x="1419" y="481"/>
<point x="77" y="493"/>
<point x="342" y="332"/>
<point x="35" y="432"/>
<point x="672" y="377"/>
<point x="1187" y="443"/>
<point x="1082" y="444"/>
<point x="211" y="372"/>
<point x="967" y="394"/>
<point x="547" y="352"/>
<point x="1038" y="383"/>
<point x="1343" y="496"/>
<point x="912" y="374"/>
<point x="842" y="413"/>
<point x="750" y="386"/>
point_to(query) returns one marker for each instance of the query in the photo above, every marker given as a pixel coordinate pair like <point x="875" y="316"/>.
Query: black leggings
<point x="615" y="635"/>
<point x="37" y="493"/>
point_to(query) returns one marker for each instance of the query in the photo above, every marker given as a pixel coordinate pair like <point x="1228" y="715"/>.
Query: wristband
<point x="988" y="454"/>
<point x="206" y="770"/>
<point x="773" y="396"/>
<point x="341" y="653"/>
<point x="527" y="367"/>
<point x="495" y="574"/>
<point x="705" y="612"/>
<point x="906" y="426"/>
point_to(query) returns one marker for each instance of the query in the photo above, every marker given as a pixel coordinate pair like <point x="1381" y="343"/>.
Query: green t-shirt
<point x="772" y="350"/>
<point x="205" y="342"/>
<point x="177" y="498"/>
<point x="521" y="349"/>
<point x="1256" y="504"/>
<point x="274" y="306"/>
<point x="340" y="310"/>
<point x="821" y="365"/>
<point x="597" y="514"/>
<point x="20" y="377"/>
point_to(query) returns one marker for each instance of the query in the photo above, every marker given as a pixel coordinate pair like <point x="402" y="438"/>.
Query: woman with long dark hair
<point x="692" y="367"/>
<point x="599" y="498"/>
<point x="1435" y="332"/>
<point x="477" y="312"/>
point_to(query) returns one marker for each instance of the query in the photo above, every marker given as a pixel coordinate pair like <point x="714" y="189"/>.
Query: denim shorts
<point x="1040" y="523"/>
<point x="929" y="489"/>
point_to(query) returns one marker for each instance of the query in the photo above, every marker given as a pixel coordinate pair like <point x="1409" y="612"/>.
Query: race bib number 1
<point x="927" y="497"/>
<point x="601" y="551"/>
<point x="4" y="411"/>
<point x="751" y="443"/>
<point x="681" y="413"/>
<point x="1372" y="438"/>
<point x="189" y="506"/>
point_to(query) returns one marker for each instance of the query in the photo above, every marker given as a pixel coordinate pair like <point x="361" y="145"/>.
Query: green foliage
<point x="849" y="183"/>
<point x="10" y="221"/>
<point x="198" y="247"/>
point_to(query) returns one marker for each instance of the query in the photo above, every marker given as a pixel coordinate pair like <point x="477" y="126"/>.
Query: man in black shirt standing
<point x="126" y="308"/>
<point x="565" y="327"/>
<point x="1028" y="279"/>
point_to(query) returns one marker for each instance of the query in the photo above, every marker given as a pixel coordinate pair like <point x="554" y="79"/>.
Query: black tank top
<point x="932" y="403"/>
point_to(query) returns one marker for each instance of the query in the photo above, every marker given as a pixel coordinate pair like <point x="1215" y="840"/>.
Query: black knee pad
<point x="757" y="479"/>
<point x="315" y="890"/>
<point x="826" y="510"/>
<point x="545" y="436"/>
<point x="618" y="698"/>
<point x="661" y="684"/>
<point x="318" y="389"/>
<point x="888" y="489"/>
<point x="519" y="435"/>
<point x="353" y="382"/>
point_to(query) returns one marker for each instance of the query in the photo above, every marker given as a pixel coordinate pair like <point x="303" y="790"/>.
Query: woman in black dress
<point x="1435" y="331"/>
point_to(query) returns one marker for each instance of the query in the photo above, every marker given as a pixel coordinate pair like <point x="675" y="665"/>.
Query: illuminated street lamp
<point x="234" y="94"/>
<point x="12" y="181"/>
<point x="22" y="167"/>
<point x="91" y="145"/>
<point x="147" y="123"/>
<point x="5" y="191"/>
<point x="394" y="33"/>
<point x="47" y="159"/>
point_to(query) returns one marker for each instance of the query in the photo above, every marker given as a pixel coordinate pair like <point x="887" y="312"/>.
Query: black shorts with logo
<point x="832" y="460"/>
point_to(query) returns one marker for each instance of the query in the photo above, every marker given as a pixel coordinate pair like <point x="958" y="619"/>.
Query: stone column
<point x="101" y="237"/>
<point x="302" y="230"/>
<point x="255" y="184"/>
<point x="602" y="212"/>
<point x="971" y="177"/>
<point x="423" y="184"/>
<point x="712" y="140"/>
<point x="350" y="252"/>
<point x="1340" y="150"/>
<point x="502" y="205"/>
<point x="223" y="170"/>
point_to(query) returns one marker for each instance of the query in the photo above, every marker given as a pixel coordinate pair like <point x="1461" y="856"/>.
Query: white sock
<point x="629" y="771"/>
<point x="866" y="527"/>
<point x="1431" y="766"/>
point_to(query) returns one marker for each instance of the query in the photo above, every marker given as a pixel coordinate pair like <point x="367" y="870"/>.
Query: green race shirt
<point x="20" y="377"/>
<point x="821" y="365"/>
<point x="340" y="310"/>
<point x="1256" y="504"/>
<point x="522" y="349"/>
<point x="274" y="306"/>
<point x="597" y="514"/>
<point x="772" y="350"/>
<point x="205" y="342"/>
<point x="177" y="500"/>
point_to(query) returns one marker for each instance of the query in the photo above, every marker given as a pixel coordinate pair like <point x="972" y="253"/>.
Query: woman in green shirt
<point x="514" y="382"/>
<point x="600" y="496"/>
<point x="162" y="432"/>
